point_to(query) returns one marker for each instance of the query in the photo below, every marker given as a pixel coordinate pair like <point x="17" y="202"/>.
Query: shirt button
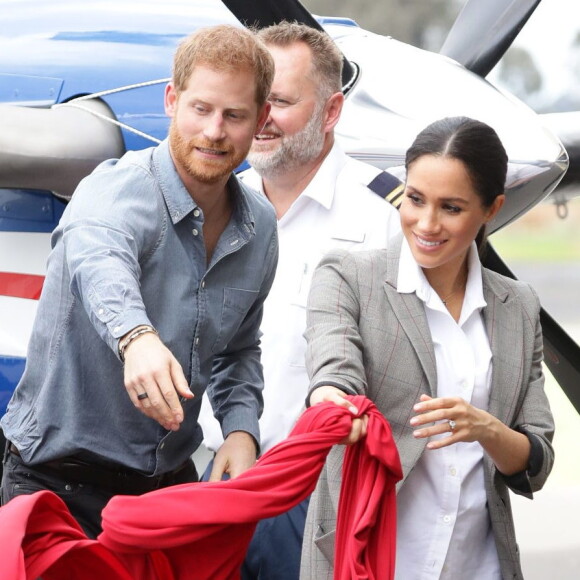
<point x="196" y="212"/>
<point x="453" y="471"/>
<point x="194" y="232"/>
<point x="446" y="519"/>
<point x="197" y="341"/>
<point x="203" y="283"/>
<point x="68" y="487"/>
<point x="101" y="311"/>
<point x="117" y="328"/>
<point x="162" y="446"/>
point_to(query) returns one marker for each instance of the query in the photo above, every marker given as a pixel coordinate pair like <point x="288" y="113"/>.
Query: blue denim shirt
<point x="129" y="250"/>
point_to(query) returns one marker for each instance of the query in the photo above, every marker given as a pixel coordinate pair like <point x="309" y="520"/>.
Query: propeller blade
<point x="262" y="13"/>
<point x="484" y="30"/>
<point x="561" y="353"/>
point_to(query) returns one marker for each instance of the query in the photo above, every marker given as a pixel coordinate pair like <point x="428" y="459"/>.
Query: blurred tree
<point x="569" y="98"/>
<point x="519" y="73"/>
<point x="418" y="22"/>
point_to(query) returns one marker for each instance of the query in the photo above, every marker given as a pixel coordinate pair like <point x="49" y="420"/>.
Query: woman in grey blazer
<point x="451" y="353"/>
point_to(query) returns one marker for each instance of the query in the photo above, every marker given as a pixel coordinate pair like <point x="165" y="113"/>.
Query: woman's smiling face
<point x="442" y="212"/>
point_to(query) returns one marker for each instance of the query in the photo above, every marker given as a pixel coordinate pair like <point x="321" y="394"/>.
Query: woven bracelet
<point x="135" y="334"/>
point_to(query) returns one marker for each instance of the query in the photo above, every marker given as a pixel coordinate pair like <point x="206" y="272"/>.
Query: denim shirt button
<point x="203" y="283"/>
<point x="197" y="341"/>
<point x="196" y="212"/>
<point x="194" y="232"/>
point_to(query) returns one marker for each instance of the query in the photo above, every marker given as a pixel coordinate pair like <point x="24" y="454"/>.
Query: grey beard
<point x="294" y="151"/>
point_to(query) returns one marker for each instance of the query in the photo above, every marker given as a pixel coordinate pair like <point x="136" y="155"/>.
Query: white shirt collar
<point x="412" y="279"/>
<point x="332" y="165"/>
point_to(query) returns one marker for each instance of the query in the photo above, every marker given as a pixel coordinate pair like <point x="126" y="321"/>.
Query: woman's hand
<point x="508" y="449"/>
<point x="330" y="394"/>
<point x="468" y="422"/>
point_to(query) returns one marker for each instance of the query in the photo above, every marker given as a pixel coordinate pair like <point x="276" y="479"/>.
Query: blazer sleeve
<point x="534" y="417"/>
<point x="334" y="354"/>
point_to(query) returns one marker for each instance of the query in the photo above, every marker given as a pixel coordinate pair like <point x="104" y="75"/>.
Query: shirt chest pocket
<point x="352" y="240"/>
<point x="235" y="306"/>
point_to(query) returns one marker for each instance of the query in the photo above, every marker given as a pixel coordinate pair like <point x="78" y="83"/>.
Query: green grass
<point x="536" y="246"/>
<point x="541" y="236"/>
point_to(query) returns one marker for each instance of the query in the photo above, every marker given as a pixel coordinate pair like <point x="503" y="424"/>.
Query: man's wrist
<point x="132" y="335"/>
<point x="245" y="434"/>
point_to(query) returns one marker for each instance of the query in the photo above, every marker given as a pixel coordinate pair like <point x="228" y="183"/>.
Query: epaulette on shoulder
<point x="388" y="187"/>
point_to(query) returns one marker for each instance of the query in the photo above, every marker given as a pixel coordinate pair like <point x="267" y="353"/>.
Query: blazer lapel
<point x="503" y="321"/>
<point x="410" y="313"/>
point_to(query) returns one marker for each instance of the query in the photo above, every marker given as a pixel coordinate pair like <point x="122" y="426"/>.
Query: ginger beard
<point x="292" y="151"/>
<point x="204" y="170"/>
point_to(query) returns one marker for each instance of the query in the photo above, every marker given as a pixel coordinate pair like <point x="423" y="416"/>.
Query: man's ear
<point x="170" y="99"/>
<point x="332" y="111"/>
<point x="263" y="116"/>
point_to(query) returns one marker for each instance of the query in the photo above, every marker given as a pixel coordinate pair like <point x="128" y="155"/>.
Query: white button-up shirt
<point x="336" y="210"/>
<point x="443" y="529"/>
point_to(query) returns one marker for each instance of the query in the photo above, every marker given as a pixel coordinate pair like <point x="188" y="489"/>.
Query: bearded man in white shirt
<point x="323" y="200"/>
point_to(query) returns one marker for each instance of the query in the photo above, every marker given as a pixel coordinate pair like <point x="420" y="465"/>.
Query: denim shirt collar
<point x="180" y="203"/>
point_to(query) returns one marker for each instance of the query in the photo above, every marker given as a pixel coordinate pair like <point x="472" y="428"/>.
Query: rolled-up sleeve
<point x="535" y="420"/>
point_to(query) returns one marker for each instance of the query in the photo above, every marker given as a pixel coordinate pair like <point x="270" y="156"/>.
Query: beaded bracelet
<point x="140" y="330"/>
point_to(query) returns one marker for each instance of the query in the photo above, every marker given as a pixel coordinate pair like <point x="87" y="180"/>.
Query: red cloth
<point x="201" y="531"/>
<point x="366" y="526"/>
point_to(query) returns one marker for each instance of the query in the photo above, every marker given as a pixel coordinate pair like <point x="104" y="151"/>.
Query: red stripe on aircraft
<point x="21" y="285"/>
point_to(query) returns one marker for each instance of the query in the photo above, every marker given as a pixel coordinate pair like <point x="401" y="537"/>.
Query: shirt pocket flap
<point x="350" y="234"/>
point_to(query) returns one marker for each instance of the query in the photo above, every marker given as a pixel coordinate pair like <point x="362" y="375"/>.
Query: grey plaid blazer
<point x="367" y="338"/>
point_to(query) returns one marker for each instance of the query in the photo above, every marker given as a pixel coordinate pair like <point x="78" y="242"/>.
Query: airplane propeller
<point x="561" y="353"/>
<point x="483" y="32"/>
<point x="499" y="22"/>
<point x="267" y="12"/>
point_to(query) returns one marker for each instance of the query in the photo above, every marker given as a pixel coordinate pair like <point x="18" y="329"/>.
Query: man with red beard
<point x="154" y="290"/>
<point x="323" y="200"/>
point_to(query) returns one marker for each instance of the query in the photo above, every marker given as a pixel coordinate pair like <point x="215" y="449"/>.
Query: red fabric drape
<point x="201" y="531"/>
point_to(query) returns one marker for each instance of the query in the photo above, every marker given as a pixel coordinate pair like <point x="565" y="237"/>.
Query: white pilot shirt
<point x="336" y="210"/>
<point x="443" y="526"/>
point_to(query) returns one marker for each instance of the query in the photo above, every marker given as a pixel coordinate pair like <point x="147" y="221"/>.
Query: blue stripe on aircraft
<point x="24" y="210"/>
<point x="11" y="369"/>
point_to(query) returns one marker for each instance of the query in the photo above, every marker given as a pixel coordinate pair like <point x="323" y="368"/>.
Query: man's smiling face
<point x="294" y="133"/>
<point x="213" y="122"/>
